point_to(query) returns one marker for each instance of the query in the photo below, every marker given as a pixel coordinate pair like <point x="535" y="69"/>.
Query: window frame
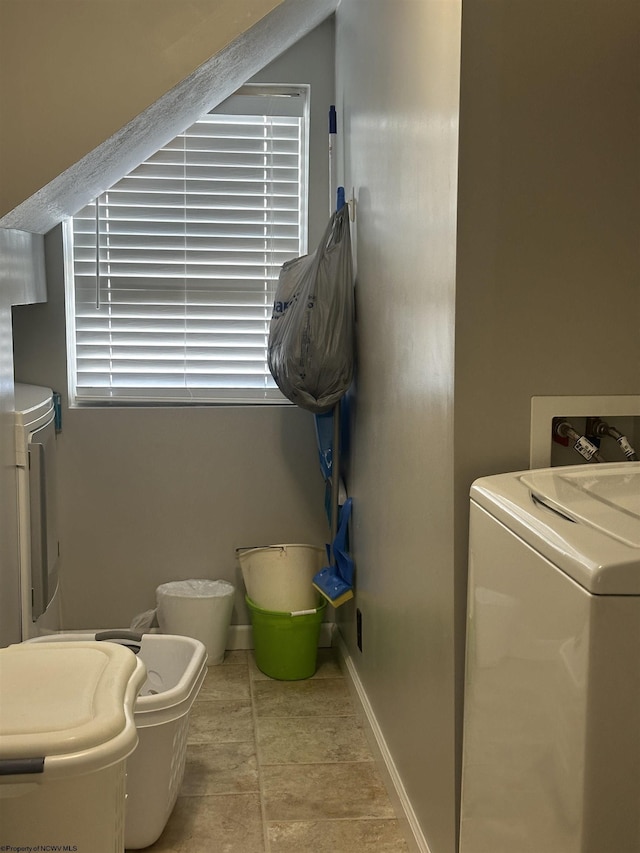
<point x="230" y="396"/>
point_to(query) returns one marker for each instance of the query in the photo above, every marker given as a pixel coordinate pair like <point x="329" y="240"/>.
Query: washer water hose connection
<point x="582" y="445"/>
<point x="602" y="428"/>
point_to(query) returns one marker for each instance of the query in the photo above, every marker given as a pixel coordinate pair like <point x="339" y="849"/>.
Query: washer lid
<point x="583" y="518"/>
<point x="59" y="699"/>
<point x="607" y="499"/>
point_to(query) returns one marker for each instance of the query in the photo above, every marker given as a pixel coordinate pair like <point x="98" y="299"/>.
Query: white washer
<point x="35" y="442"/>
<point x="551" y="755"/>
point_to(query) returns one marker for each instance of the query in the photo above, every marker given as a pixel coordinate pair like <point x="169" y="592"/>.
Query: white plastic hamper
<point x="176" y="667"/>
<point x="66" y="730"/>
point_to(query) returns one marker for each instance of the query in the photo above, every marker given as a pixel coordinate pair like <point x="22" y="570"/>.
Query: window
<point x="172" y="271"/>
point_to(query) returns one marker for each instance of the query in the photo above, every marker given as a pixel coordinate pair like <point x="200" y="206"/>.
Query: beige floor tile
<point x="220" y="768"/>
<point x="217" y="721"/>
<point x="324" y="792"/>
<point x="308" y="755"/>
<point x="337" y="836"/>
<point x="311" y="740"/>
<point x="235" y="657"/>
<point x="321" y="697"/>
<point x="231" y="823"/>
<point x="226" y="682"/>
<point x="328" y="664"/>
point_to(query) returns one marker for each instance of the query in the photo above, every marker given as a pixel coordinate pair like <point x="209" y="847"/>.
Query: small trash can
<point x="286" y="644"/>
<point x="200" y="609"/>
<point x="66" y="730"/>
<point x="279" y="577"/>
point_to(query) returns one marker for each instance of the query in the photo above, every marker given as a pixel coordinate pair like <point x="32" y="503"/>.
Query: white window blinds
<point x="188" y="248"/>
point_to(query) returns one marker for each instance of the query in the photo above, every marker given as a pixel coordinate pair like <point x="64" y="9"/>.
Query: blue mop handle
<point x="333" y="131"/>
<point x="340" y="542"/>
<point x="341" y="558"/>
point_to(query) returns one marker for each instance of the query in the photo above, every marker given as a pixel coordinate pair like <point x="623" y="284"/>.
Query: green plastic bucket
<point x="286" y="646"/>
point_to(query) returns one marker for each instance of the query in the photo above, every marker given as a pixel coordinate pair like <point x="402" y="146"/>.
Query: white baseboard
<point x="241" y="636"/>
<point x="404" y="810"/>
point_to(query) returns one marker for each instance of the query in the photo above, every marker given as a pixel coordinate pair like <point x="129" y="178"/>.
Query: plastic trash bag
<point x="144" y="621"/>
<point x="311" y="336"/>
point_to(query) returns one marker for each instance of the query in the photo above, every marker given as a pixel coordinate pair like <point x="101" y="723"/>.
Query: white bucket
<point x="200" y="609"/>
<point x="278" y="577"/>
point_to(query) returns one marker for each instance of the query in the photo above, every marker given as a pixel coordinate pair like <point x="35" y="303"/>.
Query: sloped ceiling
<point x="88" y="90"/>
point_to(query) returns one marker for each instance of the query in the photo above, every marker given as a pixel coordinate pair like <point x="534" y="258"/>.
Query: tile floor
<point x="279" y="767"/>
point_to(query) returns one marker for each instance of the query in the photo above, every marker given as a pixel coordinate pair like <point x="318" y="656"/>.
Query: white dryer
<point x="35" y="441"/>
<point x="551" y="752"/>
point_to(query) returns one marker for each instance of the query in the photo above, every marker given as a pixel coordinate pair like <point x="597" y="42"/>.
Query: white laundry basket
<point x="66" y="730"/>
<point x="176" y="667"/>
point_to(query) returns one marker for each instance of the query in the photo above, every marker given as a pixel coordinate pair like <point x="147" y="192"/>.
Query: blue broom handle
<point x="333" y="133"/>
<point x="335" y="476"/>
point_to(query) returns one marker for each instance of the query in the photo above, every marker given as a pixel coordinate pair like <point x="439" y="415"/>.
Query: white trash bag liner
<point x="279" y="577"/>
<point x="200" y="609"/>
<point x="144" y="621"/>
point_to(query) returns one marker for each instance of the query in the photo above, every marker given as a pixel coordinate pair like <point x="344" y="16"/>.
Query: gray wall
<point x="548" y="266"/>
<point x="149" y="495"/>
<point x="544" y="300"/>
<point x="398" y="67"/>
<point x="21" y="280"/>
<point x="9" y="589"/>
<point x="55" y="57"/>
